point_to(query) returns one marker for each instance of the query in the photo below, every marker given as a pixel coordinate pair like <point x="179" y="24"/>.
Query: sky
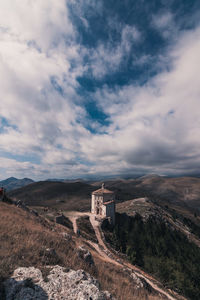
<point x="99" y="88"/>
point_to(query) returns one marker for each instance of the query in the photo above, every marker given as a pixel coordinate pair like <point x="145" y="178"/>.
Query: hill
<point x="31" y="244"/>
<point x="161" y="241"/>
<point x="54" y="194"/>
<point x="160" y="249"/>
<point x="151" y="231"/>
<point x="181" y="194"/>
<point x="12" y="183"/>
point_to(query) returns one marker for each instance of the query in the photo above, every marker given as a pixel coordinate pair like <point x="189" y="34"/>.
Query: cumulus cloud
<point x="152" y="127"/>
<point x="155" y="126"/>
<point x="38" y="79"/>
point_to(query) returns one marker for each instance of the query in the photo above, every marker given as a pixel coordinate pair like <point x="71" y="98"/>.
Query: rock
<point x="85" y="254"/>
<point x="137" y="280"/>
<point x="108" y="295"/>
<point x="66" y="236"/>
<point x="28" y="284"/>
<point x="34" y="212"/>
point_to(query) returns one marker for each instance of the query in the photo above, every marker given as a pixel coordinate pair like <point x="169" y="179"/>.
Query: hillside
<point x="181" y="194"/>
<point x="161" y="241"/>
<point x="59" y="195"/>
<point x="181" y="191"/>
<point x="159" y="248"/>
<point x="29" y="244"/>
<point x="158" y="225"/>
<point x="14" y="183"/>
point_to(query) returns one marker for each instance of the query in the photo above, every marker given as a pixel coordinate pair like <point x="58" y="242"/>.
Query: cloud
<point x="39" y="63"/>
<point x="163" y="21"/>
<point x="44" y="22"/>
<point x="165" y="24"/>
<point x="149" y="127"/>
<point x="155" y="126"/>
<point x="107" y="58"/>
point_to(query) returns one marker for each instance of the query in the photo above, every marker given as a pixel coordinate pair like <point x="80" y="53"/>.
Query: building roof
<point x="102" y="191"/>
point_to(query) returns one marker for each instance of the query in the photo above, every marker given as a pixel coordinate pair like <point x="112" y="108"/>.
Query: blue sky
<point x="99" y="88"/>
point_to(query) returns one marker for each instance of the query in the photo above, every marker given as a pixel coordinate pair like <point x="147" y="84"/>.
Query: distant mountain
<point x="12" y="183"/>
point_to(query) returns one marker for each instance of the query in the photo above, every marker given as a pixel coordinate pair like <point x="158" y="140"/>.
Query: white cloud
<point x="155" y="126"/>
<point x="106" y="58"/>
<point x="37" y="46"/>
<point x="163" y="20"/>
<point x="165" y="24"/>
<point x="43" y="22"/>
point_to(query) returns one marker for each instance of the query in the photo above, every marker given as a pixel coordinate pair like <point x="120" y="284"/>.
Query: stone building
<point x="103" y="203"/>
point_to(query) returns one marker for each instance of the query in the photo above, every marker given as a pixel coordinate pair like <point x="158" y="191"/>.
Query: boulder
<point x="66" y="236"/>
<point x="61" y="283"/>
<point x="85" y="254"/>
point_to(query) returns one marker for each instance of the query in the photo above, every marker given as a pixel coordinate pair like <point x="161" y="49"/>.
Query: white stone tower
<point x="103" y="203"/>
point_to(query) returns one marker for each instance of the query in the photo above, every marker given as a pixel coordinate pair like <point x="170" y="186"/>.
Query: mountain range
<point x="179" y="192"/>
<point x="12" y="183"/>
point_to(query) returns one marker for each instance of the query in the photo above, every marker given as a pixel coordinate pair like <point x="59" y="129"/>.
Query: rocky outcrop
<point x="85" y="254"/>
<point x="61" y="283"/>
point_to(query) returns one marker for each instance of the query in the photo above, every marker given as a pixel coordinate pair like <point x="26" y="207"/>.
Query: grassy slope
<point x="59" y="195"/>
<point x="25" y="238"/>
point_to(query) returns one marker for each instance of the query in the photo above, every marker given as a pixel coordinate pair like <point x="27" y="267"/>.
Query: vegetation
<point x="86" y="229"/>
<point x="159" y="250"/>
<point x="27" y="240"/>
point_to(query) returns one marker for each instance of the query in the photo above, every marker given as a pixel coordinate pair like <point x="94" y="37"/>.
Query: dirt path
<point x="74" y="223"/>
<point x="111" y="257"/>
<point x="73" y="216"/>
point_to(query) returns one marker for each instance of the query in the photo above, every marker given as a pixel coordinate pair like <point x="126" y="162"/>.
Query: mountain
<point x="12" y="183"/>
<point x="179" y="193"/>
<point x="157" y="229"/>
<point x="59" y="195"/>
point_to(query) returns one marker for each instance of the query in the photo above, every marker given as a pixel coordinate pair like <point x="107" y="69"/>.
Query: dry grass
<point x="25" y="238"/>
<point x="120" y="284"/>
<point x="86" y="229"/>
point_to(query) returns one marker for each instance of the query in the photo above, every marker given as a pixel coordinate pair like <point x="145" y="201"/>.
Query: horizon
<point x="99" y="88"/>
<point x="101" y="178"/>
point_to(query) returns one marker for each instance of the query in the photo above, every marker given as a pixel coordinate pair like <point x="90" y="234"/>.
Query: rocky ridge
<point x="60" y="284"/>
